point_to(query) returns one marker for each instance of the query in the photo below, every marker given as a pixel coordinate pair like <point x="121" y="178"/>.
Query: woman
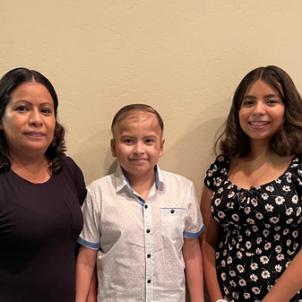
<point x="252" y="197"/>
<point x="40" y="193"/>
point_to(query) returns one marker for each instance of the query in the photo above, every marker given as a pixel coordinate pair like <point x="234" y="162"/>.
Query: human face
<point x="137" y="144"/>
<point x="29" y="120"/>
<point x="261" y="113"/>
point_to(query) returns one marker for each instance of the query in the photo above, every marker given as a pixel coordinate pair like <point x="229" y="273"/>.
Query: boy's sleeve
<point x="193" y="224"/>
<point x="90" y="235"/>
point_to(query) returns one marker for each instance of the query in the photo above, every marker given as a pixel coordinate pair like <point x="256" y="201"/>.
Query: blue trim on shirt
<point x="194" y="235"/>
<point x="91" y="245"/>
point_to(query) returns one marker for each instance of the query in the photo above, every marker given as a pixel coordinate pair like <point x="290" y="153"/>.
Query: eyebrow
<point x="266" y="96"/>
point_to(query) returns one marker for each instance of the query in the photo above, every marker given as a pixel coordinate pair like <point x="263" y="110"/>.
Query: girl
<point x="252" y="197"/>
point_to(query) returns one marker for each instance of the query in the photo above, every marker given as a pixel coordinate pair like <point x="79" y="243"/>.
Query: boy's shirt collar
<point x="122" y="181"/>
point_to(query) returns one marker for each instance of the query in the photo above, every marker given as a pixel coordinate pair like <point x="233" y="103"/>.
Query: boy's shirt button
<point x="149" y="281"/>
<point x="148" y="231"/>
<point x="148" y="255"/>
<point x="146" y="206"/>
<point x="172" y="211"/>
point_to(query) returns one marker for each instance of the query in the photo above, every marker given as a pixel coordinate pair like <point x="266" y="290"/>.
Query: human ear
<point x="112" y="146"/>
<point x="162" y="142"/>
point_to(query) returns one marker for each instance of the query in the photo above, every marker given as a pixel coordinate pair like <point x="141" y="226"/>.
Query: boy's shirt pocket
<point x="173" y="222"/>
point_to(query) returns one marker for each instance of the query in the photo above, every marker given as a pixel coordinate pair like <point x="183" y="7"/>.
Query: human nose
<point x="259" y="107"/>
<point x="139" y="148"/>
<point x="35" y="118"/>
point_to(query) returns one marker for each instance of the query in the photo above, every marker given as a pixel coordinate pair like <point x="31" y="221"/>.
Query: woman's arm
<point x="84" y="271"/>
<point x="208" y="244"/>
<point x="288" y="284"/>
<point x="193" y="261"/>
<point x="92" y="294"/>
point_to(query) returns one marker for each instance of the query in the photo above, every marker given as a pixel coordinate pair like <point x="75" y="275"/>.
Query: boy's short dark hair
<point x="233" y="142"/>
<point x="122" y="113"/>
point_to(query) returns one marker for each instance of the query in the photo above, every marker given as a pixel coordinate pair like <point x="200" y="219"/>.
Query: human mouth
<point x="34" y="134"/>
<point x="258" y="124"/>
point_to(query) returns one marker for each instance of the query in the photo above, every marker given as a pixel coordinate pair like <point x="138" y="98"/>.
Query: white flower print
<point x="269" y="207"/>
<point x="232" y="273"/>
<point x="235" y="295"/>
<point x="223" y="276"/>
<point x="279" y="200"/>
<point x="254" y="277"/>
<point x="217" y="202"/>
<point x="232" y="283"/>
<point x="259" y="216"/>
<point x="285" y="231"/>
<point x="248" y="232"/>
<point x="229" y="260"/>
<point x="220" y="190"/>
<point x="280" y="257"/>
<point x="267" y="246"/>
<point x="239" y="255"/>
<point x="295" y="234"/>
<point x="222" y="263"/>
<point x="286" y="188"/>
<point x="265" y="274"/>
<point x="289" y="221"/>
<point x="264" y="259"/>
<point x="220" y="214"/>
<point x="258" y="251"/>
<point x="258" y="240"/>
<point x="277" y="228"/>
<point x="274" y="220"/>
<point x="278" y="268"/>
<point x="288" y="242"/>
<point x="235" y="217"/>
<point x="298" y="211"/>
<point x="250" y="221"/>
<point x="265" y="233"/>
<point x="254" y="228"/>
<point x="264" y="196"/>
<point x="240" y="268"/>
<point x="246" y="296"/>
<point x="231" y="194"/>
<point x="277" y="237"/>
<point x="218" y="181"/>
<point x="247" y="210"/>
<point x="256" y="290"/>
<point x="269" y="188"/>
<point x="254" y="266"/>
<point x="295" y="199"/>
<point x="278" y="248"/>
<point x="248" y="245"/>
<point x="254" y="202"/>
<point x="242" y="282"/>
<point x="289" y="211"/>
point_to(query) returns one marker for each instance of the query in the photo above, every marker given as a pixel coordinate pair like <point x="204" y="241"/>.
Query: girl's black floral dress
<point x="260" y="230"/>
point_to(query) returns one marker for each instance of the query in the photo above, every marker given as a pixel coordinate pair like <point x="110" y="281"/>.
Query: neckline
<point x="294" y="160"/>
<point x="24" y="180"/>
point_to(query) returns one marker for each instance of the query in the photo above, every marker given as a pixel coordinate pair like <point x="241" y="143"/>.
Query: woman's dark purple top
<point x="39" y="226"/>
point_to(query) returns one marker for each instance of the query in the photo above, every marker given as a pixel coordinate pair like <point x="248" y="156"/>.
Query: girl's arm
<point x="288" y="284"/>
<point x="193" y="262"/>
<point x="208" y="244"/>
<point x="84" y="271"/>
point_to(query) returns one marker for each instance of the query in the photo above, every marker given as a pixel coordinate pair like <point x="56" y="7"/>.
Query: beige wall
<point x="183" y="57"/>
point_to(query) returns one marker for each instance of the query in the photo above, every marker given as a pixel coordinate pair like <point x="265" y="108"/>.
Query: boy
<point x="144" y="222"/>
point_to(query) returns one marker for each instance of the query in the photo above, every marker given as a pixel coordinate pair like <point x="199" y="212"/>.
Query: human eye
<point x="21" y="108"/>
<point x="128" y="140"/>
<point x="247" y="102"/>
<point x="47" y="110"/>
<point x="149" y="140"/>
<point x="273" y="101"/>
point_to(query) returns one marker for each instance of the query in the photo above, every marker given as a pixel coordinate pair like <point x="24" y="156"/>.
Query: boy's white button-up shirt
<point x="140" y="241"/>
